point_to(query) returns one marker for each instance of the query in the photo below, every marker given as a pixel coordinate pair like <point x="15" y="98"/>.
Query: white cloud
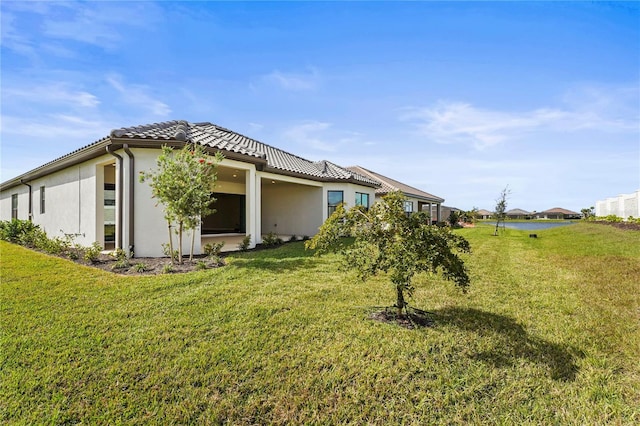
<point x="137" y="95"/>
<point x="295" y="81"/>
<point x="310" y="134"/>
<point x="460" y="122"/>
<point x="100" y="24"/>
<point x="53" y="93"/>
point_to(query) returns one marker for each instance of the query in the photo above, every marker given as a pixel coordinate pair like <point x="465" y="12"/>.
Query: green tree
<point x="501" y="207"/>
<point x="453" y="219"/>
<point x="183" y="183"/>
<point x="471" y="216"/>
<point x="389" y="241"/>
<point x="588" y="213"/>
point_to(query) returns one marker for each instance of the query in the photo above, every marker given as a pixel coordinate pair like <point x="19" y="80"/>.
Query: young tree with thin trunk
<point x="501" y="208"/>
<point x="389" y="241"/>
<point x="183" y="183"/>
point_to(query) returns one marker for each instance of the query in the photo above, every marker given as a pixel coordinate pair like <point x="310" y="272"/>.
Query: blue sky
<point x="459" y="99"/>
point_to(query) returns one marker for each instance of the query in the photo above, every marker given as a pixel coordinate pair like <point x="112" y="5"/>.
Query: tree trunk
<point x="170" y="242"/>
<point x="400" y="302"/>
<point x="193" y="240"/>
<point x="180" y="243"/>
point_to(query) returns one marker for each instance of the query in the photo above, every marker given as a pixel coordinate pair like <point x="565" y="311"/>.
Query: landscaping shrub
<point x="244" y="244"/>
<point x="213" y="249"/>
<point x="92" y="253"/>
<point x="271" y="240"/>
<point x="17" y="231"/>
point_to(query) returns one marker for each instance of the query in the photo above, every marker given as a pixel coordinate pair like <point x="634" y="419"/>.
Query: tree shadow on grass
<point x="512" y="342"/>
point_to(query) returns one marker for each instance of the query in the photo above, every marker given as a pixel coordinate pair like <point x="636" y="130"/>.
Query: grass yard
<point x="549" y="333"/>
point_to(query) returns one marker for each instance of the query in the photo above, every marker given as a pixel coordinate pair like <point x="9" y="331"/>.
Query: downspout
<point x="30" y="199"/>
<point x="119" y="191"/>
<point x="131" y="198"/>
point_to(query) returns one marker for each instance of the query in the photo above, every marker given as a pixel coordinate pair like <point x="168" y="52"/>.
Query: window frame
<point x="14" y="206"/>
<point x="408" y="203"/>
<point x="42" y="200"/>
<point x="332" y="207"/>
<point x="359" y="197"/>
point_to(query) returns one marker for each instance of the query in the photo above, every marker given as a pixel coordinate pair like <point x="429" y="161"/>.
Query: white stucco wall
<point x="623" y="206"/>
<point x="70" y="202"/>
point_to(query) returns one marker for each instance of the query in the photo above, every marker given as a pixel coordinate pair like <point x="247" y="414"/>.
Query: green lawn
<point x="549" y="333"/>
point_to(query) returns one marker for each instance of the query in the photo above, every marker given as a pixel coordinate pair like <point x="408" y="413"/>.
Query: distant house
<point x="447" y="210"/>
<point x="417" y="199"/>
<point x="557" y="213"/>
<point x="484" y="214"/>
<point x="518" y="214"/>
<point x="94" y="193"/>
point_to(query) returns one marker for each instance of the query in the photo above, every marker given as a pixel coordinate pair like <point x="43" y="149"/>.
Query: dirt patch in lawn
<point x="415" y="318"/>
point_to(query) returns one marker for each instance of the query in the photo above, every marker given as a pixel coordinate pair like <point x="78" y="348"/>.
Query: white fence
<point x="623" y="206"/>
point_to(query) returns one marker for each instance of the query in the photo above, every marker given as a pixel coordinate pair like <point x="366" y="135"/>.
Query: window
<point x="362" y="199"/>
<point x="42" y="200"/>
<point x="14" y="206"/>
<point x="408" y="207"/>
<point x="334" y="198"/>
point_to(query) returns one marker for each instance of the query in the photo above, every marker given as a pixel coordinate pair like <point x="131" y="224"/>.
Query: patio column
<point x="252" y="205"/>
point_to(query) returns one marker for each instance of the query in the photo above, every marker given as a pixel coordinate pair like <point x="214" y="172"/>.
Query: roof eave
<point x="91" y="151"/>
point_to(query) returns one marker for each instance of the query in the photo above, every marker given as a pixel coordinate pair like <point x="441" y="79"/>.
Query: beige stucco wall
<point x="71" y="202"/>
<point x="349" y="190"/>
<point x="290" y="208"/>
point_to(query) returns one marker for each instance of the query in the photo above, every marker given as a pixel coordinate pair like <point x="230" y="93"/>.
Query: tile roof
<point x="517" y="212"/>
<point x="389" y="185"/>
<point x="558" y="210"/>
<point x="215" y="137"/>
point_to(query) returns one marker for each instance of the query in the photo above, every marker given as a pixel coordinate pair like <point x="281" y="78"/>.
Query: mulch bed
<point x="621" y="225"/>
<point x="415" y="318"/>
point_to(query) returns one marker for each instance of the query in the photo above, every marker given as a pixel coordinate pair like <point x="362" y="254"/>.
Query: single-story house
<point x="417" y="199"/>
<point x="484" y="214"/>
<point x="518" y="214"/>
<point x="94" y="193"/>
<point x="557" y="213"/>
<point x="447" y="210"/>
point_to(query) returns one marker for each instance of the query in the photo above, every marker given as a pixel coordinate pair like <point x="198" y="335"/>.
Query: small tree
<point x="183" y="183"/>
<point x="454" y="218"/>
<point x="471" y="216"/>
<point x="588" y="213"/>
<point x="387" y="240"/>
<point x="501" y="208"/>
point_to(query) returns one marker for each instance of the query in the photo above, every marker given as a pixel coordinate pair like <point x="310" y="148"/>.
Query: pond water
<point x="531" y="226"/>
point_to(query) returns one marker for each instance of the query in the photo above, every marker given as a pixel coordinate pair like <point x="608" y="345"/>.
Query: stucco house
<point x="517" y="214"/>
<point x="94" y="193"/>
<point x="557" y="213"/>
<point x="484" y="214"/>
<point x="417" y="199"/>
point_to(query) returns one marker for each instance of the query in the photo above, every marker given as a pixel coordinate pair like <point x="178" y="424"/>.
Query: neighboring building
<point x="485" y="214"/>
<point x="624" y="206"/>
<point x="557" y="213"/>
<point x="446" y="212"/>
<point x="94" y="194"/>
<point x="518" y="214"/>
<point x="417" y="200"/>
